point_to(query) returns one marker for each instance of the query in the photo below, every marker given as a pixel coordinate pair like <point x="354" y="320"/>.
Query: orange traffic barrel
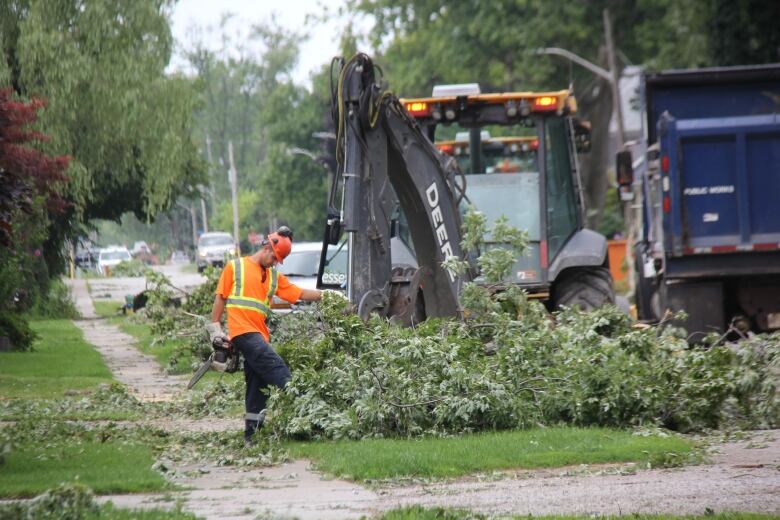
<point x="617" y="259"/>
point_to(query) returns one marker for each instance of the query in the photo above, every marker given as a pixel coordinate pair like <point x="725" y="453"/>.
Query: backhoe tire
<point x="585" y="287"/>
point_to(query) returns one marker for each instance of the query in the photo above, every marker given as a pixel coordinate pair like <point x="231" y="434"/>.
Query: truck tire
<point x="585" y="287"/>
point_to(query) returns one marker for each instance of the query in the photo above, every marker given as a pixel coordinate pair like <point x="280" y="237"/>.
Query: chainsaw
<point x="224" y="358"/>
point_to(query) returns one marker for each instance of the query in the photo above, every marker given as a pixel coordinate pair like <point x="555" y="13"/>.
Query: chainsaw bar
<point x="202" y="370"/>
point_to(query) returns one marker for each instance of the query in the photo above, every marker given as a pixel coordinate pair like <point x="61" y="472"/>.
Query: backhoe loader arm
<point x="385" y="160"/>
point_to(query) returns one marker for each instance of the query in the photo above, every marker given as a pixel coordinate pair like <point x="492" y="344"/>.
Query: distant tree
<point x="424" y="43"/>
<point x="249" y="98"/>
<point x="421" y="43"/>
<point x="744" y="32"/>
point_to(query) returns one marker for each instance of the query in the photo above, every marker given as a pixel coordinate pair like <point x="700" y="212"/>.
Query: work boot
<point x="250" y="427"/>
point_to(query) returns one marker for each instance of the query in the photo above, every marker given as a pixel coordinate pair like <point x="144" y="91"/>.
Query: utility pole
<point x="194" y="221"/>
<point x="628" y="210"/>
<point x="232" y="176"/>
<point x="211" y="179"/>
<point x="203" y="210"/>
<point x="610" y="76"/>
<point x="613" y="71"/>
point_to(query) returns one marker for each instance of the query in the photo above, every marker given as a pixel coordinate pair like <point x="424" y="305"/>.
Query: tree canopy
<point x="424" y="42"/>
<point x="100" y="65"/>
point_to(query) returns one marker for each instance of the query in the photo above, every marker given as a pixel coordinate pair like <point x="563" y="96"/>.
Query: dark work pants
<point x="262" y="368"/>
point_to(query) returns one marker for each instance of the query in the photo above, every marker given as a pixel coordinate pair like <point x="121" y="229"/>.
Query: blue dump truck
<point x="706" y="181"/>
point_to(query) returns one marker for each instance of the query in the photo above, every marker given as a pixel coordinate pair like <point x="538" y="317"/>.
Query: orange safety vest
<point x="239" y="300"/>
<point x="249" y="299"/>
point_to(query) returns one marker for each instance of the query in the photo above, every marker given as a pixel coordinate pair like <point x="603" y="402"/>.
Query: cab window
<point x="562" y="218"/>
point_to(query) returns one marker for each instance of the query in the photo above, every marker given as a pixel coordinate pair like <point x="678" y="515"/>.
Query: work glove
<point x="216" y="336"/>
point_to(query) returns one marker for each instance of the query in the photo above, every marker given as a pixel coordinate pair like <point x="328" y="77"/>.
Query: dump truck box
<point x="712" y="217"/>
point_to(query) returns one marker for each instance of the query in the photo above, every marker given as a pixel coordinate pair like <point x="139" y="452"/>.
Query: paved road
<point x="117" y="288"/>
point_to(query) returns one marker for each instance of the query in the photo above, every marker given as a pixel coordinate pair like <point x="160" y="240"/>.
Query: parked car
<point x="87" y="256"/>
<point x="303" y="262"/>
<point x="110" y="257"/>
<point x="301" y="266"/>
<point x="213" y="248"/>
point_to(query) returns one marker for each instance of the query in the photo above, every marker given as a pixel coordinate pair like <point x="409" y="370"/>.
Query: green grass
<point x="62" y="361"/>
<point x="189" y="268"/>
<point x="452" y="457"/>
<point x="109" y="467"/>
<point x="107" y="308"/>
<point x="438" y="513"/>
<point x="162" y="351"/>
<point x="57" y="503"/>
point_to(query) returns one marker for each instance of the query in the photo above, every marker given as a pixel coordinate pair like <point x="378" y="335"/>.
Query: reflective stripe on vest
<point x="236" y="299"/>
<point x="272" y="288"/>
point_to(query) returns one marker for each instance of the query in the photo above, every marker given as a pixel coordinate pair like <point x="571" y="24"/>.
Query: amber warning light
<point x="546" y="103"/>
<point x="417" y="108"/>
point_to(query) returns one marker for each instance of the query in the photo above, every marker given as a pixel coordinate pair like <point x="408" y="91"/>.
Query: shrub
<point x="15" y="327"/>
<point x="176" y="314"/>
<point x="56" y="304"/>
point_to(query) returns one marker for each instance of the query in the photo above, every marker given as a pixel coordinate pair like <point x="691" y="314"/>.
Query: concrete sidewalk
<point x="79" y="293"/>
<point x="140" y="373"/>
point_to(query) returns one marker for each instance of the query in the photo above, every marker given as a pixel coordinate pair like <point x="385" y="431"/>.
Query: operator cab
<point x="501" y="144"/>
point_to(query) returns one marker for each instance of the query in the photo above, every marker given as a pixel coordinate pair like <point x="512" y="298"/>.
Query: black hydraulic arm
<point x="384" y="160"/>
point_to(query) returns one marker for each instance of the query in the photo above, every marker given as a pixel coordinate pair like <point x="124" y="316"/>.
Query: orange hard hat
<point x="280" y="245"/>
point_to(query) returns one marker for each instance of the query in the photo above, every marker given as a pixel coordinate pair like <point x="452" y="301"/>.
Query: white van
<point x="110" y="257"/>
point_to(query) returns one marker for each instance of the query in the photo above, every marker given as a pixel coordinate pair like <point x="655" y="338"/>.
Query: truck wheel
<point x="585" y="287"/>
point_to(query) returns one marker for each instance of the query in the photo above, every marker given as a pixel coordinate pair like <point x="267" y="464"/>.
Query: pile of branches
<point x="508" y="364"/>
<point x="130" y="268"/>
<point x="179" y="315"/>
<point x="512" y="365"/>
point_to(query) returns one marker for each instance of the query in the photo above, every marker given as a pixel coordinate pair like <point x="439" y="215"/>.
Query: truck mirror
<point x="333" y="231"/>
<point x="582" y="136"/>
<point x="624" y="168"/>
<point x="394" y="228"/>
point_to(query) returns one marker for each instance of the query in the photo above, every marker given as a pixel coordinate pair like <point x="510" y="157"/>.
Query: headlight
<point x="231" y="251"/>
<point x="202" y="254"/>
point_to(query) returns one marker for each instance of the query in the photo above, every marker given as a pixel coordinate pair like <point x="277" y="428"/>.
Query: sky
<point x="321" y="46"/>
